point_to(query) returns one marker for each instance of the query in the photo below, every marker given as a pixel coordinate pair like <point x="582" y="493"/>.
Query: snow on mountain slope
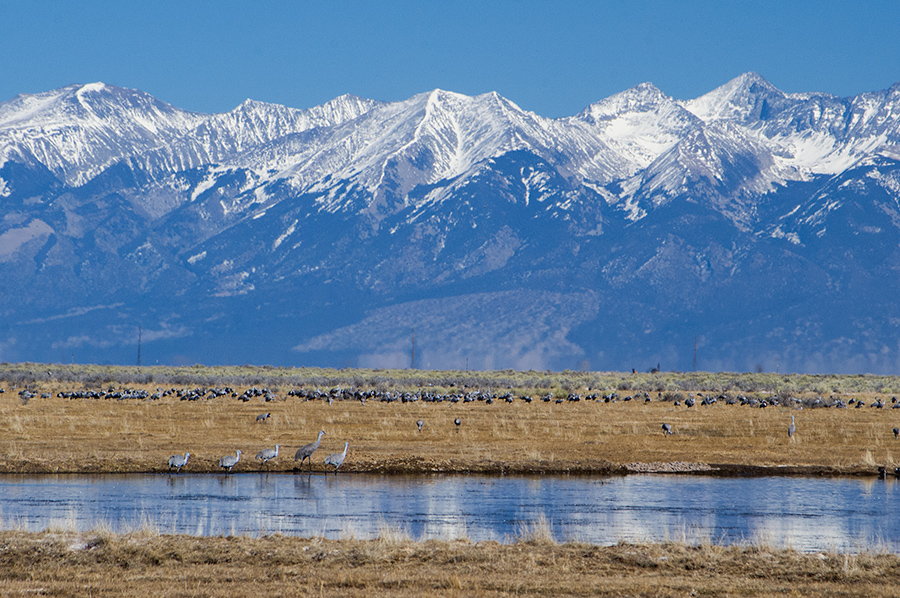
<point x="718" y="165"/>
<point x="676" y="219"/>
<point x="861" y="203"/>
<point x="640" y="123"/>
<point x="78" y="131"/>
<point x="746" y="99"/>
<point x="741" y="140"/>
<point x="224" y="139"/>
<point x="813" y="133"/>
<point x="393" y="148"/>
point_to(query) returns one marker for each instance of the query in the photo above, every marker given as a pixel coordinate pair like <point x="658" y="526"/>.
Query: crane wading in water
<point x="337" y="459"/>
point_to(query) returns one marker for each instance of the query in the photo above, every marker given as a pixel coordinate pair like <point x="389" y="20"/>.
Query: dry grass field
<point x="43" y="432"/>
<point x="47" y="433"/>
<point x="144" y="564"/>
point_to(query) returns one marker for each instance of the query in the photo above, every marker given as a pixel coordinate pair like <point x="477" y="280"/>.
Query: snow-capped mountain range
<point x="763" y="224"/>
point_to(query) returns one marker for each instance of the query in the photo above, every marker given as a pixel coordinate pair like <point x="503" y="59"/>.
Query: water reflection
<point x="807" y="514"/>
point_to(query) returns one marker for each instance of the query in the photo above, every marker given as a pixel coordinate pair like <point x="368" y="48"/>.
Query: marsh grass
<point x="868" y="460"/>
<point x="538" y="531"/>
<point x="98" y="562"/>
<point x="392" y="535"/>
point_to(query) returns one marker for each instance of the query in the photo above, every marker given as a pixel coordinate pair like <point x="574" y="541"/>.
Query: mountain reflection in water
<point x="809" y="514"/>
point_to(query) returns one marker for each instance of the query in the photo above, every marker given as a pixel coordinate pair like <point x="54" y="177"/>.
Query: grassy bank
<point x="147" y="564"/>
<point x="43" y="432"/>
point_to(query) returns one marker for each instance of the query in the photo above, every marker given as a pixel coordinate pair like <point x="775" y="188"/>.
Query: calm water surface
<point x="809" y="514"/>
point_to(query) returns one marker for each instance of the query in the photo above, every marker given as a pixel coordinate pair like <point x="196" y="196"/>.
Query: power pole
<point x="695" y="353"/>
<point x="413" y="362"/>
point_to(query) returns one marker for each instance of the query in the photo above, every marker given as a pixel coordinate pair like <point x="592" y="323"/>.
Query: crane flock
<point x="676" y="399"/>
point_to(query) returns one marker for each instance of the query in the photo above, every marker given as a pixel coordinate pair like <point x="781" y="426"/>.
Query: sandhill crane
<point x="262" y="417"/>
<point x="896" y="433"/>
<point x="792" y="428"/>
<point x="178" y="461"/>
<point x="420" y="423"/>
<point x="667" y="429"/>
<point x="306" y="451"/>
<point x="266" y="454"/>
<point x="337" y="459"/>
<point x="229" y="461"/>
<point x="457" y="422"/>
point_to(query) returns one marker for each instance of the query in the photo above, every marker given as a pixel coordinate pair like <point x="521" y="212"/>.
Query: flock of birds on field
<point x="468" y="396"/>
<point x="335" y="460"/>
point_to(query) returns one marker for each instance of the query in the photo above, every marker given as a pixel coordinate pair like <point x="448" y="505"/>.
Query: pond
<point x="809" y="514"/>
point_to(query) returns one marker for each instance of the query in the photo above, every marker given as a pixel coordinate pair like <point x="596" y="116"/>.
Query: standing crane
<point x="306" y="451"/>
<point x="178" y="461"/>
<point x="792" y="429"/>
<point x="266" y="454"/>
<point x="229" y="461"/>
<point x="337" y="459"/>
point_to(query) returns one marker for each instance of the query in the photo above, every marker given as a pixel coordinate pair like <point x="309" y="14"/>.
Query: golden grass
<point x="82" y="435"/>
<point x="86" y="435"/>
<point x="145" y="564"/>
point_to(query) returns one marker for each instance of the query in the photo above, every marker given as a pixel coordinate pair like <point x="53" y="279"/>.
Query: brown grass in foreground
<point x="144" y="564"/>
<point x="86" y="435"/>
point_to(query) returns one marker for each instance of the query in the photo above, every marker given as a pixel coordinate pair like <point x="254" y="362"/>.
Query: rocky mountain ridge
<point x="760" y="226"/>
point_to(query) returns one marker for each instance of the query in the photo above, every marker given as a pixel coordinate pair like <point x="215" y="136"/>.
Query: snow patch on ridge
<point x="287" y="233"/>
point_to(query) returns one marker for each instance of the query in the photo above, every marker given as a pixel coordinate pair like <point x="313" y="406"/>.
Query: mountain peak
<point x="92" y="87"/>
<point x="250" y="104"/>
<point x="644" y="97"/>
<point x="750" y="78"/>
<point x="748" y="96"/>
<point x="645" y="88"/>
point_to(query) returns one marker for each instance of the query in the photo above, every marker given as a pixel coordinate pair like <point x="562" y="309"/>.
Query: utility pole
<point x="413" y="362"/>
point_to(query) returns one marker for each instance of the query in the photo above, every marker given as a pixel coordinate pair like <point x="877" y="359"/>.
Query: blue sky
<point x="553" y="58"/>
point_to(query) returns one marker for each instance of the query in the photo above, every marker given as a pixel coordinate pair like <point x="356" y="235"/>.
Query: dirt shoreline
<point x="417" y="466"/>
